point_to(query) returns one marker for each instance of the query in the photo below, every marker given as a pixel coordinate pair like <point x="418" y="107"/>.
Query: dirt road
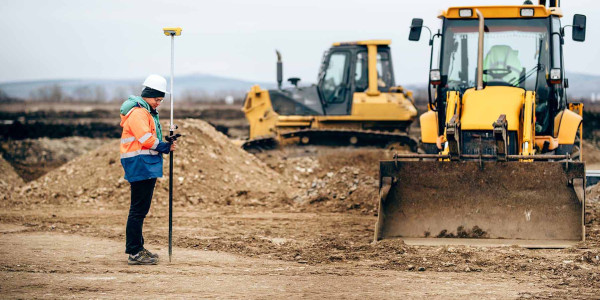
<point x="295" y="224"/>
<point x="58" y="265"/>
<point x="64" y="252"/>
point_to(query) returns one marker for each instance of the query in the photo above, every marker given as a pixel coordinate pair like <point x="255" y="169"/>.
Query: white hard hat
<point x="156" y="82"/>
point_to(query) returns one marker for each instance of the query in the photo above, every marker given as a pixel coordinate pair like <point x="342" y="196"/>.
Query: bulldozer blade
<point x="532" y="204"/>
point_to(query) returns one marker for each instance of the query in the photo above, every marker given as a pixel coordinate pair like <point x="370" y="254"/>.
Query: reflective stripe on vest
<point x="128" y="140"/>
<point x="145" y="137"/>
<point x="139" y="152"/>
<point x="155" y="144"/>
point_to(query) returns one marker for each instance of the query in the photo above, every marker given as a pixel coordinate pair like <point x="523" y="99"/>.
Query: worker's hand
<point x="173" y="146"/>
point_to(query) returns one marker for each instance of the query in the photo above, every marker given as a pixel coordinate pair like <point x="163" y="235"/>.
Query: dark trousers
<point x="141" y="197"/>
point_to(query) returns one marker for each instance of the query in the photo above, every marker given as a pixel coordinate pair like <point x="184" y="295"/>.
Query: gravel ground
<point x="294" y="223"/>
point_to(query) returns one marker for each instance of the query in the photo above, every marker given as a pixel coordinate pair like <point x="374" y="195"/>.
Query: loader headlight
<point x="435" y="77"/>
<point x="555" y="76"/>
<point x="465" y="13"/>
<point x="527" y="12"/>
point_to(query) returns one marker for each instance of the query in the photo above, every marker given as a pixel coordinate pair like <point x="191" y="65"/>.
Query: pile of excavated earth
<point x="209" y="171"/>
<point x="10" y="181"/>
<point x="33" y="158"/>
<point x="330" y="179"/>
<point x="592" y="213"/>
<point x="212" y="172"/>
<point x="591" y="155"/>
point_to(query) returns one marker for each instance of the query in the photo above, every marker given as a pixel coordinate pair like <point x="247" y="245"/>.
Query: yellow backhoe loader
<point x="503" y="156"/>
<point x="355" y="102"/>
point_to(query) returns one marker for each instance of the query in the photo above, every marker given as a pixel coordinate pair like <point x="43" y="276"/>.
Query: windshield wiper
<point x="534" y="70"/>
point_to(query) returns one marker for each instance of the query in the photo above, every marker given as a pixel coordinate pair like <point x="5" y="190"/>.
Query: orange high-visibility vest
<point x="139" y="154"/>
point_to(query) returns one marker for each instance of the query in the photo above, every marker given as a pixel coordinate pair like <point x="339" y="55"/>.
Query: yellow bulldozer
<point x="502" y="162"/>
<point x="355" y="102"/>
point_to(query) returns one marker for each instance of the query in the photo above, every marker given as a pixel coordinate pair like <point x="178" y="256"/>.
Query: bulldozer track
<point x="261" y="144"/>
<point x="336" y="137"/>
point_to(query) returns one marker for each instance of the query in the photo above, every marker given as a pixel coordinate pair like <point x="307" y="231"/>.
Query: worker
<point x="141" y="157"/>
<point x="502" y="63"/>
<point x="380" y="81"/>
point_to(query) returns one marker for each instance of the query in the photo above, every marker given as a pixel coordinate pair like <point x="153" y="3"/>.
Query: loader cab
<point x="522" y="49"/>
<point x="518" y="52"/>
<point x="345" y="71"/>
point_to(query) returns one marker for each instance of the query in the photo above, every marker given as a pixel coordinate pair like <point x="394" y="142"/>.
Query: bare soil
<point x="591" y="155"/>
<point x="56" y="265"/>
<point x="210" y="170"/>
<point x="10" y="181"/>
<point x="296" y="223"/>
<point x="287" y="254"/>
<point x="32" y="158"/>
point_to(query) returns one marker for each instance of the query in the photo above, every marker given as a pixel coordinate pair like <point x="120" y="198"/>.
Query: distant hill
<point x="195" y="85"/>
<point x="581" y="86"/>
<point x="202" y="86"/>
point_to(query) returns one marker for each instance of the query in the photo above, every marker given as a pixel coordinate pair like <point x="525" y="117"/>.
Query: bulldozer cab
<point x="354" y="102"/>
<point x="345" y="70"/>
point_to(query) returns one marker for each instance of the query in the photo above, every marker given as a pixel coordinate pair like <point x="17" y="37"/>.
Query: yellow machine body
<point x="503" y="163"/>
<point x="365" y="112"/>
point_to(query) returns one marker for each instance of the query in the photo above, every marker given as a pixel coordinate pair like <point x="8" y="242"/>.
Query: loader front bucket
<point x="532" y="204"/>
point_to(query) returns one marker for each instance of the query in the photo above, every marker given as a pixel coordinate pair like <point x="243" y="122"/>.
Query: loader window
<point x="556" y="61"/>
<point x="504" y="58"/>
<point x="549" y="101"/>
<point x="514" y="52"/>
<point x="334" y="81"/>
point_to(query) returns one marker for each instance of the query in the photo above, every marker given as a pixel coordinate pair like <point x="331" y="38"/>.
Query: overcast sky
<point x="115" y="39"/>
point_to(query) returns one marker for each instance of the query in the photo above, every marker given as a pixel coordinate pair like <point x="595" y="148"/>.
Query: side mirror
<point x="579" y="28"/>
<point x="415" y="29"/>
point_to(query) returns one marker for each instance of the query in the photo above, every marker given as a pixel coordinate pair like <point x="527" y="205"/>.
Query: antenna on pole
<point x="172" y="32"/>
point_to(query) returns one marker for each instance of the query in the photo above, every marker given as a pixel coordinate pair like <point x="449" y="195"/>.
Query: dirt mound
<point x="591" y="155"/>
<point x="592" y="212"/>
<point x="593" y="193"/>
<point x="209" y="170"/>
<point x="10" y="181"/>
<point x="330" y="179"/>
<point x="33" y="158"/>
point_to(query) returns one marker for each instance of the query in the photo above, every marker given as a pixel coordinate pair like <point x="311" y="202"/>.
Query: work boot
<point x="153" y="255"/>
<point x="142" y="258"/>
